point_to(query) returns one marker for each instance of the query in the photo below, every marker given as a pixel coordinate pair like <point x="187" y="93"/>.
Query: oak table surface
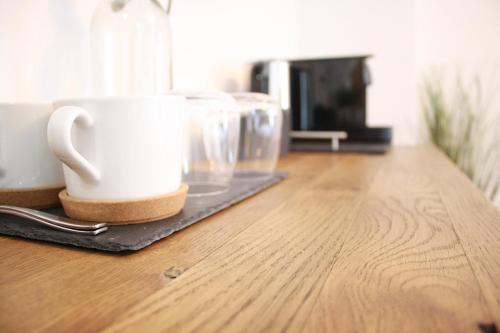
<point x="401" y="242"/>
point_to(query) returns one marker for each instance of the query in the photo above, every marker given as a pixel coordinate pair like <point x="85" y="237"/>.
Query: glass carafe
<point x="131" y="48"/>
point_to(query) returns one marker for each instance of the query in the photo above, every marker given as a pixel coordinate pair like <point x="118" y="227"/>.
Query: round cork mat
<point x="125" y="211"/>
<point x="38" y="198"/>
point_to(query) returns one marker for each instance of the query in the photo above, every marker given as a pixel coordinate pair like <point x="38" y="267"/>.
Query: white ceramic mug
<point x="119" y="148"/>
<point x="26" y="161"/>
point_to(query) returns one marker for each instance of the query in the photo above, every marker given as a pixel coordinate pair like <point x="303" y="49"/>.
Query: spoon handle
<point x="56" y="222"/>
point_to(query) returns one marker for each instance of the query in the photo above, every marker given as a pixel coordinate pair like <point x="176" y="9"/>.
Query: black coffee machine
<point x="326" y="101"/>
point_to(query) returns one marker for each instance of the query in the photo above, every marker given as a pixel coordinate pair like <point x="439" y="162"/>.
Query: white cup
<point x="119" y="148"/>
<point x="26" y="161"/>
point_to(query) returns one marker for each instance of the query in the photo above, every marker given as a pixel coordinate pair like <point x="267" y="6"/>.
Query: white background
<point x="43" y="45"/>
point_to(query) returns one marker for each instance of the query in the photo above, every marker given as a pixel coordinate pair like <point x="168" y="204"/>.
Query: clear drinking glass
<point x="130" y="48"/>
<point x="260" y="135"/>
<point x="211" y="142"/>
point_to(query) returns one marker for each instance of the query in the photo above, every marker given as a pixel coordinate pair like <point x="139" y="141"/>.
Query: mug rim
<point x="24" y="104"/>
<point x="114" y="98"/>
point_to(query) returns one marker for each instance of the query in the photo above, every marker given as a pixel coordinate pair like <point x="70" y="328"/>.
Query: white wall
<point x="42" y="48"/>
<point x="381" y="28"/>
<point x="460" y="33"/>
<point x="460" y="38"/>
<point x="215" y="40"/>
<point x="45" y="41"/>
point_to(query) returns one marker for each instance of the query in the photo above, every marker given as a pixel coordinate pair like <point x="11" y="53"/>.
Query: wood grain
<point x="377" y="243"/>
<point x="476" y="222"/>
<point x="265" y="278"/>
<point x="64" y="287"/>
<point x="402" y="266"/>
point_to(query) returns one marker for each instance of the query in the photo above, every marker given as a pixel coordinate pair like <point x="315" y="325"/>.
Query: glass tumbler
<point x="260" y="135"/>
<point x="210" y="143"/>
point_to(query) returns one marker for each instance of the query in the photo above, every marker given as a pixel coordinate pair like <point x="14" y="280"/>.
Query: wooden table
<point x="401" y="242"/>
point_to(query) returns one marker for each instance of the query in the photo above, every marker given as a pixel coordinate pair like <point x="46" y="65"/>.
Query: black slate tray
<point x="138" y="236"/>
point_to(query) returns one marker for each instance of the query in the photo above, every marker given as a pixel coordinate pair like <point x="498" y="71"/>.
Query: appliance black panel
<point x="328" y="94"/>
<point x="326" y="98"/>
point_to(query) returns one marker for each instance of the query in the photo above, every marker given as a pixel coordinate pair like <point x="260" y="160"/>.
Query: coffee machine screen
<point x="328" y="94"/>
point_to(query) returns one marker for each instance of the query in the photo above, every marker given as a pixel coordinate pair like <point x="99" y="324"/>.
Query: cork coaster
<point x="125" y="211"/>
<point x="38" y="198"/>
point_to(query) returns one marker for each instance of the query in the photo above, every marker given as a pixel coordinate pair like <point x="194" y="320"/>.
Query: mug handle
<point x="59" y="139"/>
